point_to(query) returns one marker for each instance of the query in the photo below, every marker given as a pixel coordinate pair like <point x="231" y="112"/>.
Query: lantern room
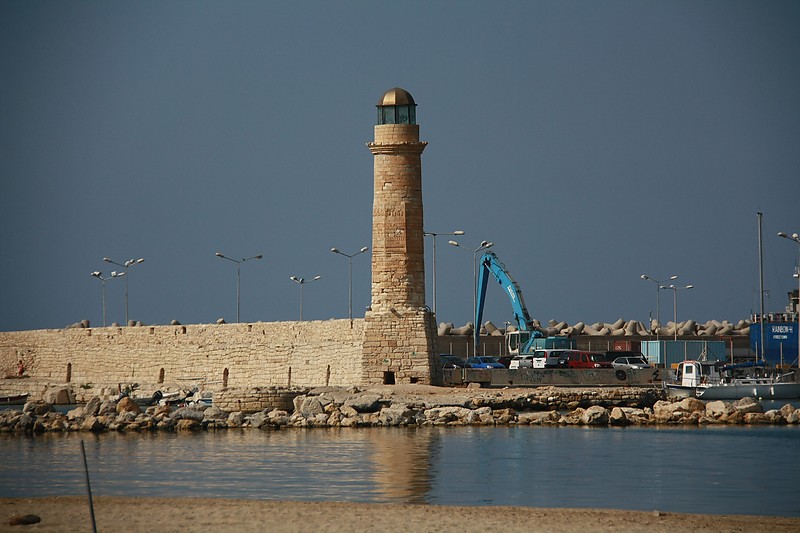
<point x="397" y="107"/>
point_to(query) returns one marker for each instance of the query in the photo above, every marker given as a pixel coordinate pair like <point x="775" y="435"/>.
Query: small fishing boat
<point x="146" y="401"/>
<point x="173" y="397"/>
<point x="715" y="380"/>
<point x="14" y="399"/>
<point x="192" y="398"/>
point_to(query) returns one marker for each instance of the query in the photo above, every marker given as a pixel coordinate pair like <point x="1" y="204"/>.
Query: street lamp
<point x="675" y="304"/>
<point x="99" y="275"/>
<point x="350" y="276"/>
<point x="126" y="265"/>
<point x="432" y="234"/>
<point x="483" y="246"/>
<point x="301" y="282"/>
<point x="658" y="291"/>
<point x="796" y="238"/>
<point x="238" y="265"/>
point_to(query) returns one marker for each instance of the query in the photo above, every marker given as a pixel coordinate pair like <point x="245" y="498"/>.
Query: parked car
<point x="557" y="359"/>
<point x="549" y="358"/>
<point x="580" y="359"/>
<point x="505" y="360"/>
<point x="611" y="355"/>
<point x="483" y="361"/>
<point x="631" y="361"/>
<point x="451" y="361"/>
<point x="521" y="361"/>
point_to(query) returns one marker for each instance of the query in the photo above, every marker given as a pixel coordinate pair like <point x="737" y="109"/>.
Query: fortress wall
<point x="259" y="354"/>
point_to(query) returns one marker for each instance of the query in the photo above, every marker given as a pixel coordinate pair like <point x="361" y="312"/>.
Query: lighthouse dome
<point x="397" y="106"/>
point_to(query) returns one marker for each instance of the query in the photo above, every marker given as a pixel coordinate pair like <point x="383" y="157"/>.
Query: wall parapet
<point x="259" y="354"/>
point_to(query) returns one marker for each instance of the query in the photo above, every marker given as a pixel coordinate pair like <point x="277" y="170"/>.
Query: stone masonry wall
<point x="400" y="333"/>
<point x="400" y="345"/>
<point x="260" y="354"/>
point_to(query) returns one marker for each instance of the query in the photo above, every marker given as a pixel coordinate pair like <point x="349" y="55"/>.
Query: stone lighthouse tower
<point x="400" y="332"/>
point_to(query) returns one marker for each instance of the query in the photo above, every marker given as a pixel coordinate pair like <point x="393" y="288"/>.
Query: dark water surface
<point x="718" y="470"/>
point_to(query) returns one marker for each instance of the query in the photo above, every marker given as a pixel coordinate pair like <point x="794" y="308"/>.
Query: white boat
<point x="14" y="399"/>
<point x="714" y="380"/>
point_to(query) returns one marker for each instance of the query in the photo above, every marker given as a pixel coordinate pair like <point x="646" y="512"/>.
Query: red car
<point x="579" y="359"/>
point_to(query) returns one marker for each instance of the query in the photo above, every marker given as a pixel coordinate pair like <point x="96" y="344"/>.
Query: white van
<point x="550" y="358"/>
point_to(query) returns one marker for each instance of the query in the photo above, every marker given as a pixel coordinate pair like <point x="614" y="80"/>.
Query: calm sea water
<point x="719" y="470"/>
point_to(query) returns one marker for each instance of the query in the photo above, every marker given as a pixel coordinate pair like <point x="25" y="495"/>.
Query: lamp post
<point x="126" y="265"/>
<point x="301" y="282"/>
<point x="658" y="292"/>
<point x="99" y="275"/>
<point x="238" y="265"/>
<point x="350" y="277"/>
<point x="675" y="304"/>
<point x="483" y="246"/>
<point x="796" y="238"/>
<point x="433" y="235"/>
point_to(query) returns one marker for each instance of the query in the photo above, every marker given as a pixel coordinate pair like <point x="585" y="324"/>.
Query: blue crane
<point x="528" y="335"/>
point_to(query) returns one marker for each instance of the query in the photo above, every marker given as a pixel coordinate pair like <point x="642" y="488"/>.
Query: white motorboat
<point x="714" y="380"/>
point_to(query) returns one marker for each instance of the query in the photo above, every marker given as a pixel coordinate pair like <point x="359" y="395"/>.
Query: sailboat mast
<point x="761" y="285"/>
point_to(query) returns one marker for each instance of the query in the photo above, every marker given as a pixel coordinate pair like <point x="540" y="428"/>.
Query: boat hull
<point x="14" y="399"/>
<point x="681" y="391"/>
<point x="735" y="391"/>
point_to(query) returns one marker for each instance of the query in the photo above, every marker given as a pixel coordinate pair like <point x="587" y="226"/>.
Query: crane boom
<point x="489" y="263"/>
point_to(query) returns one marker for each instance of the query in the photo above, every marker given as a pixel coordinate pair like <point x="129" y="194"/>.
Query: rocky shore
<point x="395" y="406"/>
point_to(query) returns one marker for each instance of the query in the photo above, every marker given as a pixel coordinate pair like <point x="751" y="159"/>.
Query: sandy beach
<point x="71" y="513"/>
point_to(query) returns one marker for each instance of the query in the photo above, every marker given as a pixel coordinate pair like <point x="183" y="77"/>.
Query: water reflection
<point x="401" y="463"/>
<point x="674" y="469"/>
<point x="324" y="464"/>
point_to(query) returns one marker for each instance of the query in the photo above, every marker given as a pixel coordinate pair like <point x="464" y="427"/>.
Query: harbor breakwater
<point x="386" y="407"/>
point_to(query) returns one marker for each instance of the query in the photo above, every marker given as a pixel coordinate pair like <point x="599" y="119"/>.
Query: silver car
<point x="521" y="361"/>
<point x="631" y="361"/>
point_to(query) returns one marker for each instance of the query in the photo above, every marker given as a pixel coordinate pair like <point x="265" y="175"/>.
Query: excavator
<point x="528" y="337"/>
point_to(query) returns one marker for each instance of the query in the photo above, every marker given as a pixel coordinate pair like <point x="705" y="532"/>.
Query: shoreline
<point x="400" y="405"/>
<point x="71" y="513"/>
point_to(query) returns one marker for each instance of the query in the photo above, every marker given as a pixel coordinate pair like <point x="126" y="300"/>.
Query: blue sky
<point x="591" y="141"/>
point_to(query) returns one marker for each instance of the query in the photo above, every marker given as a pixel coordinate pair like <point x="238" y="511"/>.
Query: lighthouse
<point x="400" y="331"/>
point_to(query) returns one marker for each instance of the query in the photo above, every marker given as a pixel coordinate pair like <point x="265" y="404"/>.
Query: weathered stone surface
<point x="127" y="417"/>
<point x="126" y="405"/>
<point x="538" y="418"/>
<point x="258" y="420"/>
<point x="108" y="407"/>
<point x="235" y="419"/>
<point x="348" y="411"/>
<point x="92" y="407"/>
<point x="445" y="415"/>
<point x="617" y="417"/>
<point x="188" y="413"/>
<point x="214" y="413"/>
<point x="499" y="416"/>
<point x="261" y="354"/>
<point x="308" y="406"/>
<point x="748" y="405"/>
<point x="792" y="417"/>
<point x="364" y="403"/>
<point x="595" y="416"/>
<point x="59" y="396"/>
<point x="187" y="424"/>
<point x="719" y="409"/>
<point x="399" y="415"/>
<point x="37" y="408"/>
<point x="93" y="423"/>
<point x="691" y="405"/>
<point x="483" y="407"/>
